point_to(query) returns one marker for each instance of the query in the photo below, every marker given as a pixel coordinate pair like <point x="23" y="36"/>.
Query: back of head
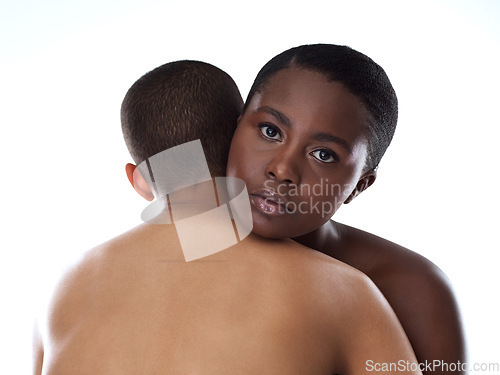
<point x="180" y="102"/>
<point x="359" y="74"/>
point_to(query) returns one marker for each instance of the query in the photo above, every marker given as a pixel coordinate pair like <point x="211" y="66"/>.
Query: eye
<point x="270" y="131"/>
<point x="325" y="156"/>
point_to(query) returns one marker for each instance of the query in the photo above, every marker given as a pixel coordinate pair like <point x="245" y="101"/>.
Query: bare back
<point x="133" y="305"/>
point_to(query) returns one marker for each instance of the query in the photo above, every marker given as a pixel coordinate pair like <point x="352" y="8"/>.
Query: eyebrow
<point x="319" y="136"/>
<point x="325" y="137"/>
<point x="280" y="116"/>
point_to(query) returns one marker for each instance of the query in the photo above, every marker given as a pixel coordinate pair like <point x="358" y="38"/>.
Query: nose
<point x="284" y="168"/>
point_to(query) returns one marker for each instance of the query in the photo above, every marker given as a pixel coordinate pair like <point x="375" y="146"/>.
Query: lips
<point x="269" y="202"/>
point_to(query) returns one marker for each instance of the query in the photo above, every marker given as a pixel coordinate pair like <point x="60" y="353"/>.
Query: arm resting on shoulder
<point x="428" y="310"/>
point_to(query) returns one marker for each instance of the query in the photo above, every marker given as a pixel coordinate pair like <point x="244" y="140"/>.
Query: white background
<point x="66" y="65"/>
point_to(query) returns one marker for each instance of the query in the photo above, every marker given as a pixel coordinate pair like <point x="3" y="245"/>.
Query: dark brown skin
<point x="417" y="290"/>
<point x="276" y="150"/>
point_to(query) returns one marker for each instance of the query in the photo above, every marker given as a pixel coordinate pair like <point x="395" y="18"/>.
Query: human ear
<point x="364" y="182"/>
<point x="138" y="182"/>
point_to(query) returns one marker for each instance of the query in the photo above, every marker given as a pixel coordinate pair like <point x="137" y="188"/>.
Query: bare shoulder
<point x="100" y="274"/>
<point x="298" y="265"/>
<point x="340" y="302"/>
<point x="419" y="292"/>
<point x="353" y="312"/>
<point x="76" y="286"/>
<point x="322" y="277"/>
<point x="394" y="267"/>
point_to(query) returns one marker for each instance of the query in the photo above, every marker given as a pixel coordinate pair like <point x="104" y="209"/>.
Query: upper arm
<point x="37" y="351"/>
<point x="427" y="308"/>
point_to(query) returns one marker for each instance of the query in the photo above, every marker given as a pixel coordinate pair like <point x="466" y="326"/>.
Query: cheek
<point x="245" y="157"/>
<point x="240" y="161"/>
<point x="325" y="195"/>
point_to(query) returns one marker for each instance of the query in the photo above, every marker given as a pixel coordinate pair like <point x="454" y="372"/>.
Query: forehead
<point x="313" y="102"/>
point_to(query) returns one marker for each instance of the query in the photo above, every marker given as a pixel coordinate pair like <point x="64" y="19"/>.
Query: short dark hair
<point x="359" y="74"/>
<point x="178" y="102"/>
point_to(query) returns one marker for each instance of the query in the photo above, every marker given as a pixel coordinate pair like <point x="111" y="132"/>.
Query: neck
<point x="325" y="239"/>
<point x="193" y="200"/>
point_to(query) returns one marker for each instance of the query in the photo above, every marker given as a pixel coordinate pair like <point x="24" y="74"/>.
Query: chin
<point x="274" y="232"/>
<point x="268" y="231"/>
<point x="278" y="228"/>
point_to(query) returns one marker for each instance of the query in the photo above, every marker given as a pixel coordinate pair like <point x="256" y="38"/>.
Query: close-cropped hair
<point x="179" y="102"/>
<point x="359" y="74"/>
